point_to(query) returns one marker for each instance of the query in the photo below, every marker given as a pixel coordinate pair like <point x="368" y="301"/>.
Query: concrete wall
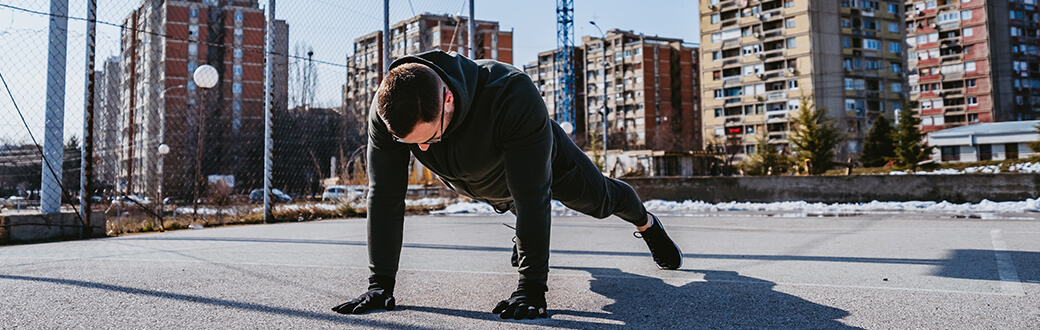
<point x="842" y="189"/>
<point x="34" y="227"/>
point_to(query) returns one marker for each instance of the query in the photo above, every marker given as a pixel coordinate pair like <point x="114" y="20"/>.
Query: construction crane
<point x="565" y="65"/>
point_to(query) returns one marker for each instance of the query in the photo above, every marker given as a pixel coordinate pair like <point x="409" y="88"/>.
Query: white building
<point x="985" y="141"/>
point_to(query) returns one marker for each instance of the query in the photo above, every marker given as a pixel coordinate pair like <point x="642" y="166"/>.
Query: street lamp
<point x="603" y="90"/>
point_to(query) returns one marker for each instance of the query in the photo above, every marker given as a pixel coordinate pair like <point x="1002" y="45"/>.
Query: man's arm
<point x="524" y="131"/>
<point x="388" y="183"/>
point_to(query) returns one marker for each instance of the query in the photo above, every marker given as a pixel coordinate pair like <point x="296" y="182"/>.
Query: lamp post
<point x="205" y="76"/>
<point x="603" y="84"/>
<point x="163" y="149"/>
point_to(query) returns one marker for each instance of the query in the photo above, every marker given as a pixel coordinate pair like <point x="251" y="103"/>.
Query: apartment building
<point x="648" y="88"/>
<point x="162" y="104"/>
<point x="415" y="35"/>
<point x="973" y="61"/>
<point x="543" y="73"/>
<point x="761" y="57"/>
<point x="106" y="123"/>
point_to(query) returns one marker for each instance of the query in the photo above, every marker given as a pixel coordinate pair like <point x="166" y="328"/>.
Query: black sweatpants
<point x="578" y="184"/>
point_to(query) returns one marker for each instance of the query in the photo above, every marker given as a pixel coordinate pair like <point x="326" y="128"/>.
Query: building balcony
<point x="772" y="34"/>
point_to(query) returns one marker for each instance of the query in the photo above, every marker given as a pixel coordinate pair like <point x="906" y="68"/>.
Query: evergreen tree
<point x="814" y="138"/>
<point x="908" y="148"/>
<point x="766" y="160"/>
<point x="879" y="146"/>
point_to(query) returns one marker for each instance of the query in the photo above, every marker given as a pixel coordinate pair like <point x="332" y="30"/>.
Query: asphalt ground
<point x="741" y="270"/>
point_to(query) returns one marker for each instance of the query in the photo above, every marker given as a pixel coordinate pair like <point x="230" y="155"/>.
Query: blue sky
<point x="329" y="26"/>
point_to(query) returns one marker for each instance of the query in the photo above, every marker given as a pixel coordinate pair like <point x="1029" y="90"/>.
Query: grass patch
<point x="1004" y="165"/>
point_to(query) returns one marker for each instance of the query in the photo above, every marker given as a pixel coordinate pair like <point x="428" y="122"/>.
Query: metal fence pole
<point x="268" y="99"/>
<point x="472" y="31"/>
<point x="54" y="127"/>
<point x="87" y="155"/>
<point x="386" y="36"/>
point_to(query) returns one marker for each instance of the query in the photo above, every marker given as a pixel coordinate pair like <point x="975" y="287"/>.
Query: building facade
<point x="215" y="132"/>
<point x="762" y="57"/>
<point x="106" y="123"/>
<point x="973" y="61"/>
<point x="985" y="141"/>
<point x="543" y="73"/>
<point x="648" y="87"/>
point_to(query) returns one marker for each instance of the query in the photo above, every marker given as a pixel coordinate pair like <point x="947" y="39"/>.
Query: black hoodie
<point x="498" y="148"/>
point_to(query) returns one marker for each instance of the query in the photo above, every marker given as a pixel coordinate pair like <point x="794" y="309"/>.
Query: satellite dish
<point x="567" y="127"/>
<point x="206" y="76"/>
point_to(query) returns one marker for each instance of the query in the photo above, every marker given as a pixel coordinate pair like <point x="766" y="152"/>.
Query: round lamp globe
<point x="206" y="76"/>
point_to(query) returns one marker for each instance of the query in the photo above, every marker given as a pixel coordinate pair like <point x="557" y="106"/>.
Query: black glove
<point x="380" y="295"/>
<point x="528" y="301"/>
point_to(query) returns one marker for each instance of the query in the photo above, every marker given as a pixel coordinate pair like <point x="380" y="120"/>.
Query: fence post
<point x="53" y="134"/>
<point x="87" y="155"/>
<point x="268" y="99"/>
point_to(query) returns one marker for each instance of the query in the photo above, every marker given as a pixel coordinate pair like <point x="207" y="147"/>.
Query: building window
<point x="718" y="93"/>
<point x="238" y="34"/>
<point x="238" y="16"/>
<point x="967" y="32"/>
<point x="193" y="30"/>
<point x="791" y="43"/>
<point x="871" y="44"/>
<point x="969" y="67"/>
<point x="846" y="42"/>
<point x="897" y="88"/>
<point x="951" y="153"/>
<point x="236" y="88"/>
<point x="789" y="24"/>
<point x="238" y="69"/>
<point x="966" y="15"/>
<point x="238" y="52"/>
<point x="792" y="84"/>
<point x="191" y="67"/>
<point x="973" y="100"/>
<point x="970" y="83"/>
<point x="893" y="27"/>
<point x="893" y="47"/>
<point x="191" y="85"/>
<point x="1011" y="151"/>
<point x="892" y="8"/>
<point x="193" y="49"/>
<point x="718" y="113"/>
<point x="896" y="67"/>
<point x="193" y="12"/>
<point x="849" y="84"/>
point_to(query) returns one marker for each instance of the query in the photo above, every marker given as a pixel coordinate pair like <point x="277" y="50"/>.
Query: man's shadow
<point x="724" y="300"/>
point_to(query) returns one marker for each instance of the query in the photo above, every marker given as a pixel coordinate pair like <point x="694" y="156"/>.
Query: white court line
<point x="1009" y="280"/>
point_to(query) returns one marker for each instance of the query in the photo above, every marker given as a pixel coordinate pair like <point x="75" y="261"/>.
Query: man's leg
<point x="578" y="184"/>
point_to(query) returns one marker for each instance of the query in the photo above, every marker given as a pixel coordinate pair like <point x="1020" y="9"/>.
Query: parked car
<point x="277" y="196"/>
<point x="341" y="192"/>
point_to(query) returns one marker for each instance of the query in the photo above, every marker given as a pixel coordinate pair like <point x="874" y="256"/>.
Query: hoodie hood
<point x="460" y="73"/>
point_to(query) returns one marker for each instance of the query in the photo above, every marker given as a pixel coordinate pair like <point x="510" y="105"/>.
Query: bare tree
<point x="303" y="82"/>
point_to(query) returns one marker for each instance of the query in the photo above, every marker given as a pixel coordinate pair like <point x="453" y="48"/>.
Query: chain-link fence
<point x="155" y="112"/>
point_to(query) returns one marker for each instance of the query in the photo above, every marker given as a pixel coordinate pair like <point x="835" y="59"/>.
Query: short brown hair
<point x="409" y="94"/>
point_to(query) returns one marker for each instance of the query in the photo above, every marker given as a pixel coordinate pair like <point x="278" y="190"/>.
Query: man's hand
<point x="373" y="299"/>
<point x="523" y="303"/>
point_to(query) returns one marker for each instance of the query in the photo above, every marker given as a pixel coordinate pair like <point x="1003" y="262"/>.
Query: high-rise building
<point x="647" y="86"/>
<point x="106" y="123"/>
<point x="761" y="57"/>
<point x="418" y="34"/>
<point x="543" y="72"/>
<point x="163" y="42"/>
<point x="973" y="61"/>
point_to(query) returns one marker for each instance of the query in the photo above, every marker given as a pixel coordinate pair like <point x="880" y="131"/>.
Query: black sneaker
<point x="666" y="254"/>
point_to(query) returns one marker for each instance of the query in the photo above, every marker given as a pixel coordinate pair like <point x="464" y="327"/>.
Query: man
<point x="483" y="128"/>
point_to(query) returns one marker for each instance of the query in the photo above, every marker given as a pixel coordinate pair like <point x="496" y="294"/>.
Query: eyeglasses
<point x="440" y="131"/>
